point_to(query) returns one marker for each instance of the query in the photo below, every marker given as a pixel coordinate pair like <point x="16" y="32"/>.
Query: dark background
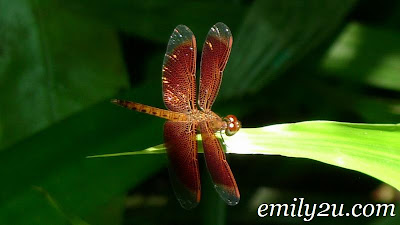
<point x="61" y="62"/>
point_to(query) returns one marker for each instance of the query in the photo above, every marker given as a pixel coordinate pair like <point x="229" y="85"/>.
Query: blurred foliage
<point x="51" y="66"/>
<point x="274" y="35"/>
<point x="154" y="20"/>
<point x="355" y="56"/>
<point x="61" y="61"/>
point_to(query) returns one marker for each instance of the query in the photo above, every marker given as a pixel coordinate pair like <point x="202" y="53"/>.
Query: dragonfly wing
<point x="180" y="140"/>
<point x="179" y="71"/>
<point x="216" y="50"/>
<point x="218" y="167"/>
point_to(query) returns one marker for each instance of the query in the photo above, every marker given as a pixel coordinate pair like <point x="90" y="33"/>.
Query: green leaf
<point x="373" y="149"/>
<point x="55" y="160"/>
<point x="274" y="36"/>
<point x="365" y="54"/>
<point x="52" y="64"/>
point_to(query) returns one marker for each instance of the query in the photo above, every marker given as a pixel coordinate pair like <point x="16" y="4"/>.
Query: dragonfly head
<point x="232" y="125"/>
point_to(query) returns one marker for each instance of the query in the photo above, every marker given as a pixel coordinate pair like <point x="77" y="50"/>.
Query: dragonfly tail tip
<point x="114" y="101"/>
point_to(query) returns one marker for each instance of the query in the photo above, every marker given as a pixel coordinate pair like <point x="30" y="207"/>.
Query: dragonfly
<point x="186" y="118"/>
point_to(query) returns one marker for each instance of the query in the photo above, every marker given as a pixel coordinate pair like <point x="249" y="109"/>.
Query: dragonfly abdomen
<point x="166" y="114"/>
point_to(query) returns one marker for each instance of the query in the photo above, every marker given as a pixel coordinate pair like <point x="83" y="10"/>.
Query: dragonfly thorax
<point x="230" y="124"/>
<point x="210" y="117"/>
<point x="200" y="116"/>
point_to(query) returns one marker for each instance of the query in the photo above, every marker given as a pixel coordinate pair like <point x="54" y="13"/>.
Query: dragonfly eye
<point x="233" y="125"/>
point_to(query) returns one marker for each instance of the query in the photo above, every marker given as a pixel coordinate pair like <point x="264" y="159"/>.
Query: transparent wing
<point x="180" y="139"/>
<point x="216" y="50"/>
<point x="218" y="167"/>
<point x="179" y="71"/>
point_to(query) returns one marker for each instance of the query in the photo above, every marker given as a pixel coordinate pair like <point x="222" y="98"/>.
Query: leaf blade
<point x="373" y="149"/>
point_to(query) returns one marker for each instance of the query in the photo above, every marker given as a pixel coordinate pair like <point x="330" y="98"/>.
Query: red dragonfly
<point x="185" y="119"/>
